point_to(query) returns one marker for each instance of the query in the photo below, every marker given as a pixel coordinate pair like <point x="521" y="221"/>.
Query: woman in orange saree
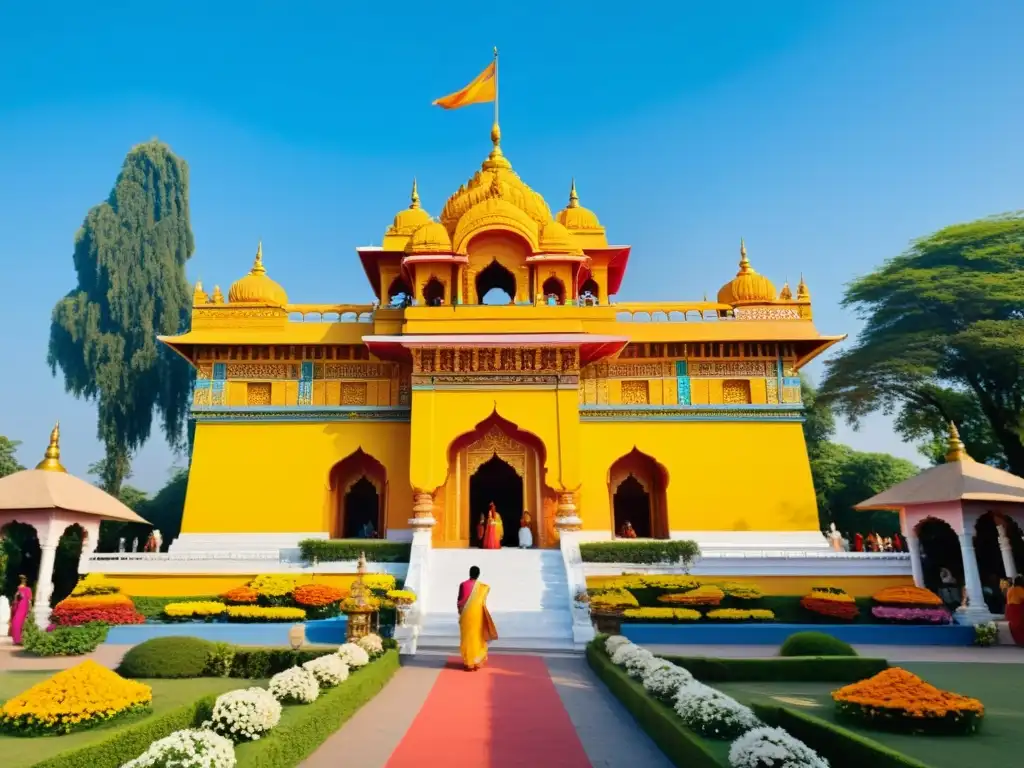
<point x="494" y="531"/>
<point x="476" y="628"/>
<point x="1015" y="610"/>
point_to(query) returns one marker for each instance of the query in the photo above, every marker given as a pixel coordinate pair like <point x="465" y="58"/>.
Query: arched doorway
<point x="553" y="291"/>
<point x="636" y="485"/>
<point x="496" y="481"/>
<point x="433" y="293"/>
<point x="988" y="553"/>
<point x="399" y="293"/>
<point x="940" y="550"/>
<point x="495" y="285"/>
<point x="358" y="486"/>
<point x="590" y="293"/>
<point x="21" y="546"/>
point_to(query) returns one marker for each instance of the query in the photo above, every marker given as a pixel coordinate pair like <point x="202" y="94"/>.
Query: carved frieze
<point x="495" y="360"/>
<point x="772" y="385"/>
<point x="636" y="392"/>
<point x="496" y="443"/>
<point x="258" y="370"/>
<point x="723" y="368"/>
<point x="767" y="313"/>
<point x="648" y="370"/>
<point x="257" y="393"/>
<point x="353" y="393"/>
<point x="352" y="371"/>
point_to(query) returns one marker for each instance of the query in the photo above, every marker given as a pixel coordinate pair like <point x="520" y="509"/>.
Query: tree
<point x="819" y="421"/>
<point x="944" y="338"/>
<point x="130" y="259"/>
<point x="8" y="458"/>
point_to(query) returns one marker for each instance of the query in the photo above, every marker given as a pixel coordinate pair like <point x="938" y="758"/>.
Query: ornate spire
<point x="257" y="265"/>
<point x="574" y="199"/>
<point x="745" y="267"/>
<point x="496" y="159"/>
<point x="198" y="294"/>
<point x="802" y="294"/>
<point x="51" y="459"/>
<point x="218" y="297"/>
<point x="415" y="195"/>
<point x="955" y="450"/>
<point x="786" y="294"/>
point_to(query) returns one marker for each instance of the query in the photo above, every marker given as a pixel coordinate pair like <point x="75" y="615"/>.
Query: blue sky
<point x="828" y="134"/>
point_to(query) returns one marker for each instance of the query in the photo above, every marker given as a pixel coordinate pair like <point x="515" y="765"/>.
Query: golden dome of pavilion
<point x="256" y="287"/>
<point x="555" y="238"/>
<point x="410" y="219"/>
<point x="748" y="287"/>
<point x="494" y="180"/>
<point x="430" y="238"/>
<point x="575" y="216"/>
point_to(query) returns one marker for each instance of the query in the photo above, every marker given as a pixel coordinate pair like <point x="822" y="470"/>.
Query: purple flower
<point x="911" y="615"/>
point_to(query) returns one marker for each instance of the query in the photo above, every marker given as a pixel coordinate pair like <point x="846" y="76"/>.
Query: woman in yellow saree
<point x="476" y="628"/>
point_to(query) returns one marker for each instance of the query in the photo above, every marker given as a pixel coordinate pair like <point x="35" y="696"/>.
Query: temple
<point x="415" y="412"/>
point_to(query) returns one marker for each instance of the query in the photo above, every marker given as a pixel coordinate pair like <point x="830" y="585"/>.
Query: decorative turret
<point x="51" y="459"/>
<point x="256" y="287"/>
<point x="199" y="295"/>
<point x="555" y="238"/>
<point x="575" y="216"/>
<point x="748" y="287"/>
<point x="786" y="294"/>
<point x="802" y="294"/>
<point x="431" y="238"/>
<point x="410" y="219"/>
<point x="217" y="297"/>
<point x="955" y="450"/>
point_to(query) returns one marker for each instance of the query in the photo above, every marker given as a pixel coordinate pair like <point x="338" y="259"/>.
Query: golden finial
<point x="955" y="450"/>
<point x="257" y="266"/>
<point x="574" y="199"/>
<point x="496" y="136"/>
<point x="786" y="294"/>
<point x="198" y="294"/>
<point x="744" y="261"/>
<point x="801" y="289"/>
<point x="415" y="195"/>
<point x="51" y="460"/>
<point x="218" y="297"/>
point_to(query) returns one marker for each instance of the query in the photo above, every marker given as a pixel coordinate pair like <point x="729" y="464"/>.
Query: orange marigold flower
<point x="705" y="595"/>
<point x="902" y="691"/>
<point x="318" y="594"/>
<point x="241" y="596"/>
<point x="907" y="595"/>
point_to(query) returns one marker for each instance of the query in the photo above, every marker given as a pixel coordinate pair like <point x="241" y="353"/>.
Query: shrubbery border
<point x="795" y="669"/>
<point x="335" y="550"/>
<point x="676" y="552"/>
<point x="681" y="746"/>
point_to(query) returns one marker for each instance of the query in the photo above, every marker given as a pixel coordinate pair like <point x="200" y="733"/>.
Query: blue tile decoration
<point x="306" y="385"/>
<point x="682" y="383"/>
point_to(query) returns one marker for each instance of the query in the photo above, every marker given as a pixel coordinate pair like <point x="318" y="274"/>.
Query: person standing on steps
<point x="476" y="627"/>
<point x="481" y="529"/>
<point x="494" y="531"/>
<point x="525" y="534"/>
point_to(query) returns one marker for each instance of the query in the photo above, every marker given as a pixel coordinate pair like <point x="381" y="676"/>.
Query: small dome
<point x="431" y="237"/>
<point x="786" y="294"/>
<point x="748" y="287"/>
<point x="256" y="287"/>
<point x="575" y="216"/>
<point x="410" y="219"/>
<point x="555" y="238"/>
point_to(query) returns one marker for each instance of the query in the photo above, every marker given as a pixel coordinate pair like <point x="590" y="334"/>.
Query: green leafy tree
<point x="130" y="259"/>
<point x="943" y="340"/>
<point x="819" y="421"/>
<point x="8" y="459"/>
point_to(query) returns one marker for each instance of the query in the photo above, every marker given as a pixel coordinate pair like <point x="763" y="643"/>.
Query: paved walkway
<point x="518" y="711"/>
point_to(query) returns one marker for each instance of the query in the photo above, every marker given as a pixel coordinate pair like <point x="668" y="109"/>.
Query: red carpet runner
<point x="507" y="714"/>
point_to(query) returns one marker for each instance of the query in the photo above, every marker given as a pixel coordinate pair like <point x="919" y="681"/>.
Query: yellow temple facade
<point x="682" y="419"/>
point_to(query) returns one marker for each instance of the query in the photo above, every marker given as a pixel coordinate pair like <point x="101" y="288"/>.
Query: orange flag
<point x="482" y="90"/>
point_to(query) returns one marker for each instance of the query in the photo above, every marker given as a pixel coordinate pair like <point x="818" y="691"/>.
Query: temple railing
<point x="330" y="313"/>
<point x="696" y="312"/>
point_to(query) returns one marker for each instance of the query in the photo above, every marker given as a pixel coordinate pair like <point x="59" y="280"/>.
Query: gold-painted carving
<point x="772" y="386"/>
<point x="351" y="371"/>
<point x="767" y="313"/>
<point x="568" y="359"/>
<point x="466" y="364"/>
<point x="446" y="362"/>
<point x="353" y="393"/>
<point x="202" y="396"/>
<point x="528" y="359"/>
<point x="204" y="371"/>
<point x="736" y="392"/>
<point x="508" y="359"/>
<point x="791" y="395"/>
<point x="722" y="368"/>
<point x="549" y="360"/>
<point x="257" y="393"/>
<point x="639" y="370"/>
<point x="636" y="392"/>
<point x="257" y="370"/>
<point x="496" y="442"/>
<point x="227" y="312"/>
<point x="404" y="387"/>
<point x="589" y="391"/>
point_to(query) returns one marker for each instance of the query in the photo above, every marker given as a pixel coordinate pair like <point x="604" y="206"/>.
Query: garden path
<point x="518" y="711"/>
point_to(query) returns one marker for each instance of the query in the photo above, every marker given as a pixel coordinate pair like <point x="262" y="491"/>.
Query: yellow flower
<point x="199" y="608"/>
<point x="741" y="614"/>
<point x="402" y="595"/>
<point x="678" y="614"/>
<point x="612" y="598"/>
<point x="382" y="581"/>
<point x="273" y="585"/>
<point x="259" y="613"/>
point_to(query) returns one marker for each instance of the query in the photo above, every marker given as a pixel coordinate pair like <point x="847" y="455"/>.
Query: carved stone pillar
<point x="422" y="510"/>
<point x="914" y="548"/>
<point x="44" y="587"/>
<point x="1006" y="550"/>
<point x="975" y="611"/>
<point x="566" y="518"/>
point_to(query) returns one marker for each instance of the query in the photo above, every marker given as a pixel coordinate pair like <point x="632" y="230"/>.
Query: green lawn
<point x="1000" y="687"/>
<point x="167" y="694"/>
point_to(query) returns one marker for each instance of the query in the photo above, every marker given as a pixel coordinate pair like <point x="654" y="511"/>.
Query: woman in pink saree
<point x="22" y="602"/>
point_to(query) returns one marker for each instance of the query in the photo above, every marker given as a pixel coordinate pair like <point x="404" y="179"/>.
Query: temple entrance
<point x="632" y="505"/>
<point x="361" y="511"/>
<point x="496" y="481"/>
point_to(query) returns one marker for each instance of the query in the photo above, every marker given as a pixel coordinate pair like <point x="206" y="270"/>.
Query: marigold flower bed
<point x="199" y="609"/>
<point x="241" y="596"/>
<point x="740" y="614"/>
<point x="662" y="614"/>
<point x="84" y="696"/>
<point x="915" y="596"/>
<point x="107" y="608"/>
<point x="256" y="613"/>
<point x="706" y="595"/>
<point x="831" y="602"/>
<point x="901" y="701"/>
<point x="318" y="595"/>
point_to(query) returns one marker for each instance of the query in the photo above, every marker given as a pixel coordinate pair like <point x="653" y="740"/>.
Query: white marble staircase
<point x="529" y="598"/>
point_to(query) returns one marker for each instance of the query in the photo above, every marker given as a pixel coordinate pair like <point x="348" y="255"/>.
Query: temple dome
<point x="555" y="238"/>
<point x="575" y="216"/>
<point x="748" y="287"/>
<point x="256" y="287"/>
<point x="408" y="220"/>
<point x="431" y="237"/>
<point x="495" y="179"/>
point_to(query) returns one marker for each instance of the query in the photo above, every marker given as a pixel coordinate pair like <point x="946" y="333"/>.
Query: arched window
<point x="399" y="293"/>
<point x="553" y="291"/>
<point x="495" y="285"/>
<point x="433" y="293"/>
<point x="637" y="484"/>
<point x="589" y="293"/>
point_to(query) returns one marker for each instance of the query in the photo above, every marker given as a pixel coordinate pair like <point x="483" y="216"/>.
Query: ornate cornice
<point x="301" y="413"/>
<point x="699" y="413"/>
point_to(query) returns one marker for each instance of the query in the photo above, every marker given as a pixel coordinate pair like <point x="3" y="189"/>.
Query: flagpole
<point x="495" y="85"/>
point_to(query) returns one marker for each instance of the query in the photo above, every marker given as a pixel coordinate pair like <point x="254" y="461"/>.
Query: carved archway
<point x="590" y="292"/>
<point x="399" y="292"/>
<point x="637" y="486"/>
<point x="940" y="549"/>
<point x="359" y="489"/>
<point x="492" y="282"/>
<point x="553" y="291"/>
<point x="433" y="292"/>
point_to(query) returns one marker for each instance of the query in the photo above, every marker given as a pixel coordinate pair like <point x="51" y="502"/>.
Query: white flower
<point x="711" y="713"/>
<point x="187" y="749"/>
<point x="638" y="664"/>
<point x="328" y="670"/>
<point x="295" y="686"/>
<point x="772" y="748"/>
<point x="353" y="655"/>
<point x="613" y="643"/>
<point x="245" y="714"/>
<point x="372" y="644"/>
<point x="663" y="682"/>
<point x="624" y="653"/>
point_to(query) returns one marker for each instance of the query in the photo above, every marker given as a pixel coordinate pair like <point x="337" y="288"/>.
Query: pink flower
<point x="911" y="615"/>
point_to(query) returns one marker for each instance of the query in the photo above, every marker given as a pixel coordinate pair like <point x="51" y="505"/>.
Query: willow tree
<point x="130" y="259"/>
<point x="943" y="341"/>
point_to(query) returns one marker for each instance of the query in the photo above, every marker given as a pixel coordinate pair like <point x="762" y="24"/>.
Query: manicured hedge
<point x="377" y="551"/>
<point x="794" y="669"/>
<point x="815" y="644"/>
<point x="130" y="741"/>
<point x="293" y="741"/>
<point x="646" y="552"/>
<point x="63" y="641"/>
<point x="262" y="663"/>
<point x="843" y="748"/>
<point x="681" y="745"/>
<point x="180" y="657"/>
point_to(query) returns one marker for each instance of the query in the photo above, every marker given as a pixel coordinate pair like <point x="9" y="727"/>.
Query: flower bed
<point x="908" y="595"/>
<point x="318" y="595"/>
<point x="772" y="748"/>
<point x="612" y="599"/>
<point x="245" y="715"/>
<point x="84" y="696"/>
<point x="742" y="591"/>
<point x="908" y="615"/>
<point x="740" y="614"/>
<point x="830" y="602"/>
<point x="257" y="613"/>
<point x="661" y="614"/>
<point x="94" y="584"/>
<point x="703" y="595"/>
<point x="899" y="700"/>
<point x="295" y="686"/>
<point x="192" y="747"/>
<point x="205" y="610"/>
<point x="241" y="596"/>
<point x="107" y="608"/>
